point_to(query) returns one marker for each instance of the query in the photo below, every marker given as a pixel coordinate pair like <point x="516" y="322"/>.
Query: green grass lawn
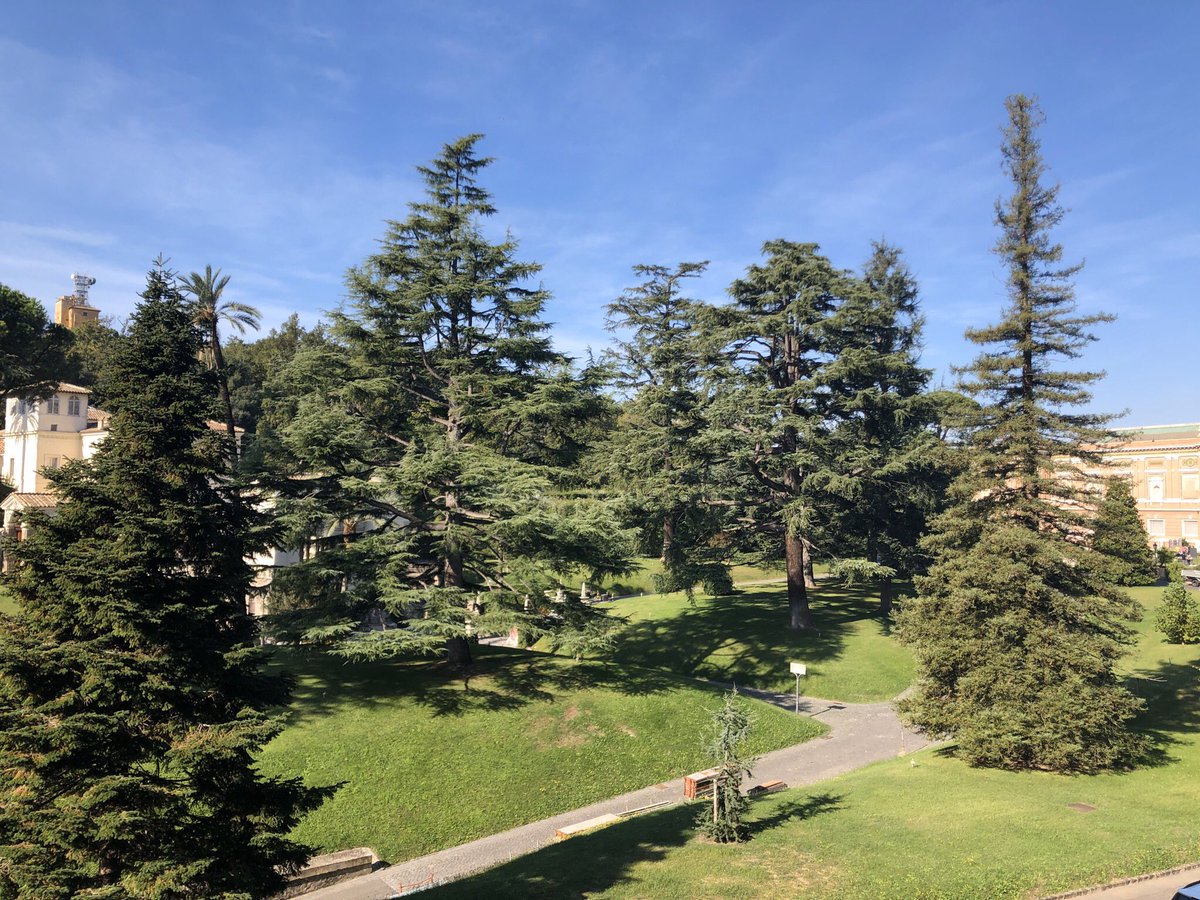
<point x="642" y="580"/>
<point x="428" y="764"/>
<point x="8" y="603"/>
<point x="926" y="826"/>
<point x="744" y="638"/>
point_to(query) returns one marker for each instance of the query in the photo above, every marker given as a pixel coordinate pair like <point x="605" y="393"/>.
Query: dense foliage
<point x="433" y="440"/>
<point x="132" y="693"/>
<point x="1178" y="618"/>
<point x="32" y="349"/>
<point x="1121" y="536"/>
<point x="660" y="456"/>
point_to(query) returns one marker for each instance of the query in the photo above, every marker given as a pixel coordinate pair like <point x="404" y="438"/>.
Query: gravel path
<point x="859" y="733"/>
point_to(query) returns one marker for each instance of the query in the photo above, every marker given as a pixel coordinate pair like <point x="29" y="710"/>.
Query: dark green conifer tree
<point x="657" y="456"/>
<point x="433" y="438"/>
<point x="1121" y="536"/>
<point x="1178" y="618"/>
<point x="1015" y="628"/>
<point x="885" y="469"/>
<point x="772" y="411"/>
<point x="132" y="692"/>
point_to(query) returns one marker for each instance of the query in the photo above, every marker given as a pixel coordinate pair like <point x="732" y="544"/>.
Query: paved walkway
<point x="1150" y="887"/>
<point x="859" y="733"/>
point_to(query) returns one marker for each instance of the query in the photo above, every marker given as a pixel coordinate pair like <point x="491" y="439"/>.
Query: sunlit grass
<point x="925" y="826"/>
<point x="743" y="638"/>
<point x="428" y="763"/>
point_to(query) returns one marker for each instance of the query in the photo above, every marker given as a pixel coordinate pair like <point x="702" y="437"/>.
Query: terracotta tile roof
<point x="66" y="387"/>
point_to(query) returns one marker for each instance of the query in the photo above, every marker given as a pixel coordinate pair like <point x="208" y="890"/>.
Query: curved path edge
<point x="859" y="734"/>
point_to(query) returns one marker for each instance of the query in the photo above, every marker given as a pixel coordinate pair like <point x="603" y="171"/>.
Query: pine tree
<point x="1178" y="618"/>
<point x="1015" y="629"/>
<point x="722" y="819"/>
<point x="656" y="456"/>
<point x="132" y="692"/>
<point x="1121" y="536"/>
<point x="885" y="468"/>
<point x="433" y="438"/>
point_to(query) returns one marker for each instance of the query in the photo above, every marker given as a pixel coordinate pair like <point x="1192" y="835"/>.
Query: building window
<point x="52" y="406"/>
<point x="1191" y="486"/>
<point x="54" y="462"/>
<point x="54" y="427"/>
<point x="72" y="406"/>
<point x="1191" y="528"/>
<point x="1157" y="527"/>
<point x="1155" y="485"/>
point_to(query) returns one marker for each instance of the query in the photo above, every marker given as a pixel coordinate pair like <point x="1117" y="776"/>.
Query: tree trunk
<point x="458" y="652"/>
<point x="668" y="536"/>
<point x="885" y="596"/>
<point x="810" y="579"/>
<point x="799" y="615"/>
<point x="226" y="400"/>
<point x="458" y="648"/>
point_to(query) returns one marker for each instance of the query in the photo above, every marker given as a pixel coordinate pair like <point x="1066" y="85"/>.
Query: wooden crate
<point x="699" y="783"/>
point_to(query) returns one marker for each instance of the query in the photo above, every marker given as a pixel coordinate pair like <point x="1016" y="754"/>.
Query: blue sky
<point x="273" y="140"/>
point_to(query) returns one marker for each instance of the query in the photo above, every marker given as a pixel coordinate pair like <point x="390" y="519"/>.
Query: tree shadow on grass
<point x="792" y="810"/>
<point x="499" y="679"/>
<point x="748" y="633"/>
<point x="1172" y="694"/>
<point x="593" y="863"/>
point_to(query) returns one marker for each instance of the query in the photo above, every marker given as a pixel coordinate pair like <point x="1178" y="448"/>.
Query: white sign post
<point x="798" y="669"/>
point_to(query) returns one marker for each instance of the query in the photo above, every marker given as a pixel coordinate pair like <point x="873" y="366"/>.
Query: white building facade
<point x="40" y="435"/>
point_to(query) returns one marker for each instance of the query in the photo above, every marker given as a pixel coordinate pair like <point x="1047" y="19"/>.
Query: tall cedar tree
<point x="132" y="693"/>
<point x="657" y="456"/>
<point x="1015" y="629"/>
<point x="772" y="410"/>
<point x="1121" y="536"/>
<point x="885" y="468"/>
<point x="32" y="349"/>
<point x="437" y="431"/>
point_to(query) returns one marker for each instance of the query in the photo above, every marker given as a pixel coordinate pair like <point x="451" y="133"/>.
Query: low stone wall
<point x="330" y="868"/>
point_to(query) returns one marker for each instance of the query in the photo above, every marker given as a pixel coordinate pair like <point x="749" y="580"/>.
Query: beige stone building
<point x="1162" y="463"/>
<point x="41" y="435"/>
<point x="73" y="310"/>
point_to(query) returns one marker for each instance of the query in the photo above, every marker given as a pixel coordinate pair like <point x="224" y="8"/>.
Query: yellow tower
<point x="73" y="309"/>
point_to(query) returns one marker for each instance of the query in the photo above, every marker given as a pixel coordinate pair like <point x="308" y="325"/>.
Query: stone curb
<point x="1149" y="876"/>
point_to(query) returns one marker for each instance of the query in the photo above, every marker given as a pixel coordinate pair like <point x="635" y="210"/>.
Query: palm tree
<point x="211" y="310"/>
